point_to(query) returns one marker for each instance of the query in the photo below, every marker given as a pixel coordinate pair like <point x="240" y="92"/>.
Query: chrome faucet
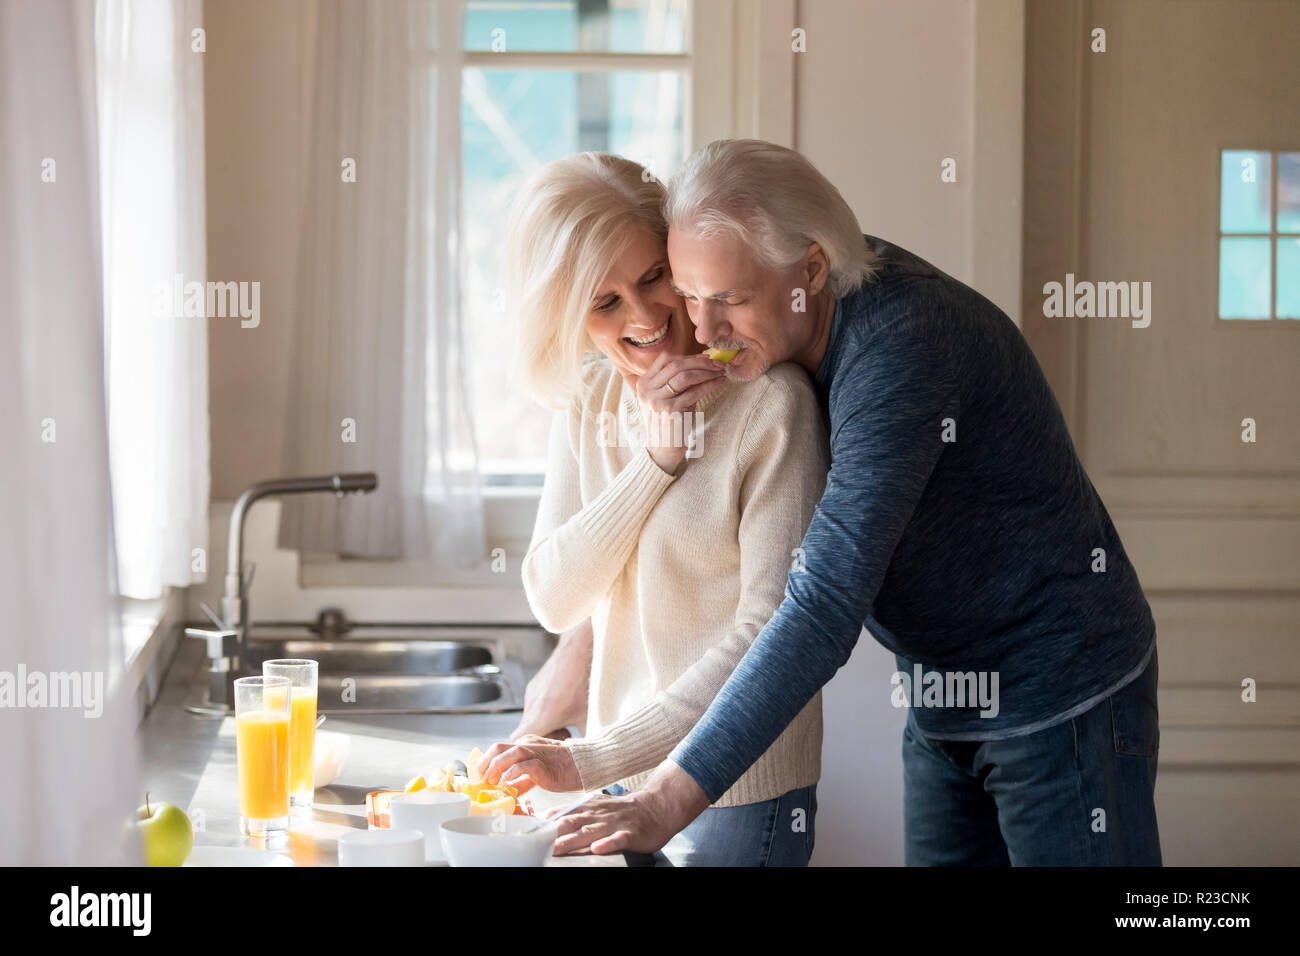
<point x="226" y="645"/>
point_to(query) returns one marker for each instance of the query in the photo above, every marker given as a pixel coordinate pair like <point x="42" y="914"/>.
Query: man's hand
<point x="556" y="697"/>
<point x="641" y="822"/>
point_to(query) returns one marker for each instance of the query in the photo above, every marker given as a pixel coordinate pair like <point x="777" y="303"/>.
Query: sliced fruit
<point x="480" y="792"/>
<point x="722" y="355"/>
<point x="472" y="790"/>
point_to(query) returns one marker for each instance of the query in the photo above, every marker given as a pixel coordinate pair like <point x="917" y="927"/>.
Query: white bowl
<point x="425" y="811"/>
<point x="496" y="841"/>
<point x="331" y="753"/>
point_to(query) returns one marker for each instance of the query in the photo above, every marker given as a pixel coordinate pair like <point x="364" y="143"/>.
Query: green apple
<point x="165" y="833"/>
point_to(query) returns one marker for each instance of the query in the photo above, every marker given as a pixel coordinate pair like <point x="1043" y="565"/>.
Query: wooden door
<point x="1123" y="153"/>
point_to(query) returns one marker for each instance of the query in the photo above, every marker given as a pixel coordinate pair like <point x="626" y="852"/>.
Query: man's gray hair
<point x="776" y="202"/>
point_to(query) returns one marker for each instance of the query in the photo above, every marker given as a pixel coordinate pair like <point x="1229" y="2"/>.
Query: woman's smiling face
<point x="635" y="316"/>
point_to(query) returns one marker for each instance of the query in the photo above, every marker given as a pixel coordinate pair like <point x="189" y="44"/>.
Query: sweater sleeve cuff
<point x="638" y="742"/>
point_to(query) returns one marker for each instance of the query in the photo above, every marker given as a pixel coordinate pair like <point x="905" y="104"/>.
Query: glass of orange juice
<point x="262" y="751"/>
<point x="301" y="675"/>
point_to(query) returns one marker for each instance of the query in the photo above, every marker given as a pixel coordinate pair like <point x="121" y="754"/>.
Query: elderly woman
<point x="673" y="503"/>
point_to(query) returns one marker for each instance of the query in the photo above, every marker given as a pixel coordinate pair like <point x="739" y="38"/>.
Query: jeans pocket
<point x="1135" y="717"/>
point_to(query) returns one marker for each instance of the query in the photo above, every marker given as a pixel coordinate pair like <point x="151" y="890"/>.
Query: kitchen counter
<point x="190" y="761"/>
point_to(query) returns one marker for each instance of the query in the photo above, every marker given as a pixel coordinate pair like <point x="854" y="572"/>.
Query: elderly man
<point x="958" y="526"/>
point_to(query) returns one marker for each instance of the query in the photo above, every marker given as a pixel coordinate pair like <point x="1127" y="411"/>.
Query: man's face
<point x="736" y="302"/>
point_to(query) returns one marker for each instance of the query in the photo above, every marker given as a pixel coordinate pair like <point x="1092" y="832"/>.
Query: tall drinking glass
<point x="302" y="726"/>
<point x="262" y="752"/>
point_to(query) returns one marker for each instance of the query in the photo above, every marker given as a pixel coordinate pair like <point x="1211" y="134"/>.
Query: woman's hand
<point x="556" y="697"/>
<point x="531" y="761"/>
<point x="668" y="393"/>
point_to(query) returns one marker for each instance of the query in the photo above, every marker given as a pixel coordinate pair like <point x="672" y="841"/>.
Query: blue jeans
<point x="775" y="832"/>
<point x="1080" y="793"/>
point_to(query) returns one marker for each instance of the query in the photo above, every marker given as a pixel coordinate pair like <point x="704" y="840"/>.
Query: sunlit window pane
<point x="568" y="26"/>
<point x="1245" y="197"/>
<point x="512" y="122"/>
<point x="1244" y="286"/>
<point x="1288" y="277"/>
<point x="1288" y="192"/>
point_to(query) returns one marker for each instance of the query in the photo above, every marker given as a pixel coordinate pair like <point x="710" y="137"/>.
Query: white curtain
<point x="69" y="777"/>
<point x="150" y="98"/>
<point x="379" y="380"/>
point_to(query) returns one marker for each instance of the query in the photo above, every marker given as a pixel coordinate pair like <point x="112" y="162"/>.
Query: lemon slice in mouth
<point x="722" y="355"/>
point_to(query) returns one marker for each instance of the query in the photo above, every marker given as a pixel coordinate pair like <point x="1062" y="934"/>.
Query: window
<point x="1259" y="235"/>
<point x="535" y="80"/>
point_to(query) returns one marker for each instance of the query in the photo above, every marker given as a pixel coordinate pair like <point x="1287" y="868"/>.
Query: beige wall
<point x="251" y="104"/>
<point x="884" y="94"/>
<point x="887" y="91"/>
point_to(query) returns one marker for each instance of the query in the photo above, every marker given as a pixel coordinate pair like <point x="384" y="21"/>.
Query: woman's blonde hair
<point x="572" y="220"/>
<point x="774" y="201"/>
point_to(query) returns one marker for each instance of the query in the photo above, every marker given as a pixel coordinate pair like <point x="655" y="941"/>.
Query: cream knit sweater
<point x="678" y="573"/>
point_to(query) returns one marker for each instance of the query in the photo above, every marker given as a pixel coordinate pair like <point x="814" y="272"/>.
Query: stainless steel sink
<point x="401" y="669"/>
<point x="421" y="693"/>
<point x="372" y="656"/>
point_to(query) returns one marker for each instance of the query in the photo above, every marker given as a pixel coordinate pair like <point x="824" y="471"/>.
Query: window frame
<point x="1272" y="321"/>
